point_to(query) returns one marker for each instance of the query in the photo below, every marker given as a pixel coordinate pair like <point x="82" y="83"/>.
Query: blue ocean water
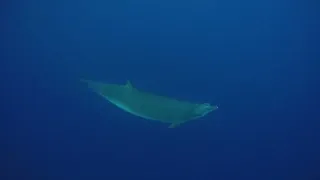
<point x="256" y="59"/>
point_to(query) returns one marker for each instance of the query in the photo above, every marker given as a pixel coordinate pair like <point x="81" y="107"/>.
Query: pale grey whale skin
<point x="150" y="106"/>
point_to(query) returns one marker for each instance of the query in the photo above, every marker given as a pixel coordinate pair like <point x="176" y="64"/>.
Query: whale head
<point x="203" y="109"/>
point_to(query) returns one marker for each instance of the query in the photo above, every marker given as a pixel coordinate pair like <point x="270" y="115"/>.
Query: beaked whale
<point x="150" y="106"/>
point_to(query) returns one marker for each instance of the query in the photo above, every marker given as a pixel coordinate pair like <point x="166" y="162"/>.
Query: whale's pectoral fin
<point x="174" y="125"/>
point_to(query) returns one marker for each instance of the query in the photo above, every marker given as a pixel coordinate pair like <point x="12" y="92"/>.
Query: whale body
<point x="150" y="106"/>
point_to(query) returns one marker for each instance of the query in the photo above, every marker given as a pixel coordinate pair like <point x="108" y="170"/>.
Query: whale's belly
<point x="128" y="109"/>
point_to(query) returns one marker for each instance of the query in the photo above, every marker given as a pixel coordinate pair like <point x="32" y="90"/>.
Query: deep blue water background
<point x="256" y="59"/>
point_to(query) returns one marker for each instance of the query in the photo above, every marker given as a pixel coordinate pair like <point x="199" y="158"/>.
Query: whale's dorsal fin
<point x="129" y="85"/>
